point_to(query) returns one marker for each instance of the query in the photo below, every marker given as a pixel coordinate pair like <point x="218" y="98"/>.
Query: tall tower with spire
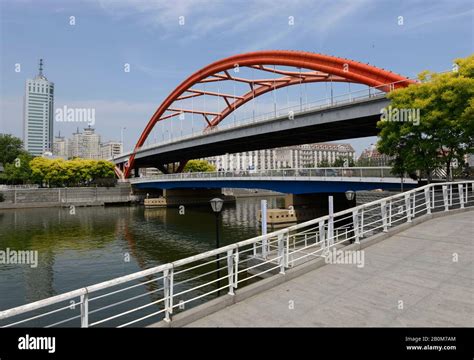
<point x="38" y="114"/>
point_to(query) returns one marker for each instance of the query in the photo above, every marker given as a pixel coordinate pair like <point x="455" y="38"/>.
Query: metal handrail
<point x="278" y="250"/>
<point x="293" y="173"/>
<point x="325" y="103"/>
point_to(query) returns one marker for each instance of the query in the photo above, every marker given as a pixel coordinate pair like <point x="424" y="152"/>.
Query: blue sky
<point x="86" y="61"/>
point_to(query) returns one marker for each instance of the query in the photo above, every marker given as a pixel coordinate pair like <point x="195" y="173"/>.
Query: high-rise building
<point x="38" y="114"/>
<point x="85" y="145"/>
<point x="110" y="149"/>
<point x="60" y="146"/>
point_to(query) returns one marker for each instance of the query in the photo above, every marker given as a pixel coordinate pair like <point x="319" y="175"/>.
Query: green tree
<point x="199" y="166"/>
<point x="341" y="161"/>
<point x="39" y="170"/>
<point x="75" y="172"/>
<point x="445" y="130"/>
<point x="18" y="171"/>
<point x="324" y="163"/>
<point x="10" y="148"/>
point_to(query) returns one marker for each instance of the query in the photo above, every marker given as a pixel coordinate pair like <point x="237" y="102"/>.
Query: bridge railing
<point x="290" y="111"/>
<point x="160" y="292"/>
<point x="333" y="172"/>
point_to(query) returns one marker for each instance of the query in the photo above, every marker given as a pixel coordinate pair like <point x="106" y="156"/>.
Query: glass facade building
<point x="38" y="114"/>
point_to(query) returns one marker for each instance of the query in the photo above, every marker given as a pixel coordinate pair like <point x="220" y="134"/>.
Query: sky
<point x="86" y="45"/>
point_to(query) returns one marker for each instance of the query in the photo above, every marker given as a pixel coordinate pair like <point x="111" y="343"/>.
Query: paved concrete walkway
<point x="410" y="279"/>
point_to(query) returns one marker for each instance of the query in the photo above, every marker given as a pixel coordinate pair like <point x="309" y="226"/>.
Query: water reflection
<point x="98" y="244"/>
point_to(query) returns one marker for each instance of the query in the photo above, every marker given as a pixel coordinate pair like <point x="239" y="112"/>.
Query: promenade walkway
<point x="422" y="276"/>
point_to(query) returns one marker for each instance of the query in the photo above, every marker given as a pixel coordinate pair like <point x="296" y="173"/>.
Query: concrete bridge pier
<point x="302" y="207"/>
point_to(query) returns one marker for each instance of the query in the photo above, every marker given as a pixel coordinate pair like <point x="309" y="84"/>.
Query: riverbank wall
<point x="65" y="197"/>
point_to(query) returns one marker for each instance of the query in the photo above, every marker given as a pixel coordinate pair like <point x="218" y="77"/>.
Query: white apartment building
<point x="38" y="114"/>
<point x="110" y="149"/>
<point x="85" y="145"/>
<point x="299" y="156"/>
<point x="60" y="147"/>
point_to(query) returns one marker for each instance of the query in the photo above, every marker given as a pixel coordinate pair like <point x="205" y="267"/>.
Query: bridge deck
<point x="415" y="266"/>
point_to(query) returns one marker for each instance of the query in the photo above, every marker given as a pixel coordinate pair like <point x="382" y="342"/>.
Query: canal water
<point x="95" y="244"/>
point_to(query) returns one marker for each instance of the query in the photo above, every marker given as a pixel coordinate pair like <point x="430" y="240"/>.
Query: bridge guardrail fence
<point x="341" y="172"/>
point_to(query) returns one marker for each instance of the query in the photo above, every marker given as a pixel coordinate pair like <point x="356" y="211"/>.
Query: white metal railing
<point x="157" y="293"/>
<point x="370" y="93"/>
<point x="382" y="172"/>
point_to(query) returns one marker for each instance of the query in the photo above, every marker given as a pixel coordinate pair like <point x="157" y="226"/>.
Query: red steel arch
<point x="322" y="68"/>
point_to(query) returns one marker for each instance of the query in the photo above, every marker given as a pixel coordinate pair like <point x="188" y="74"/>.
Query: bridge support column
<point x="162" y="168"/>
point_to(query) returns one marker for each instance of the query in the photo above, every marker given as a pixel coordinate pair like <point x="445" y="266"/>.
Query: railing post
<point x="281" y="253"/>
<point x="414" y="206"/>
<point x="390" y="213"/>
<point x="236" y="268"/>
<point x="85" y="310"/>
<point x="168" y="293"/>
<point x="383" y="211"/>
<point x="445" y="198"/>
<point x="263" y="213"/>
<point x="433" y="197"/>
<point x="427" y="201"/>
<point x="331" y="221"/>
<point x="322" y="236"/>
<point x="450" y="194"/>
<point x="264" y="247"/>
<point x="461" y="195"/>
<point x="408" y="207"/>
<point x="361" y="231"/>
<point x="230" y="271"/>
<point x="355" y="222"/>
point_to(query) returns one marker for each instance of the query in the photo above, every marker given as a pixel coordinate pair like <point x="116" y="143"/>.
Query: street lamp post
<point x="350" y="195"/>
<point x="216" y="205"/>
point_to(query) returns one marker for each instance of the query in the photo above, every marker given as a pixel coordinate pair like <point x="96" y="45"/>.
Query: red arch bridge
<point x="353" y="115"/>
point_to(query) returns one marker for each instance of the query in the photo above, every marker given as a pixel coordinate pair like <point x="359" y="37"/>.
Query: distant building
<point x="85" y="145"/>
<point x="38" y="114"/>
<point x="149" y="172"/>
<point x="299" y="156"/>
<point x="372" y="157"/>
<point x="110" y="149"/>
<point x="60" y="147"/>
<point x="470" y="160"/>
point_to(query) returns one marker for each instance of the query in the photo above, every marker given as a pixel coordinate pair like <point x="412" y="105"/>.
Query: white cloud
<point x="227" y="18"/>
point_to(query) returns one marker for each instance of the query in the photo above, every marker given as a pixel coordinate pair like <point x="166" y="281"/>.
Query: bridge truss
<point x="273" y="68"/>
